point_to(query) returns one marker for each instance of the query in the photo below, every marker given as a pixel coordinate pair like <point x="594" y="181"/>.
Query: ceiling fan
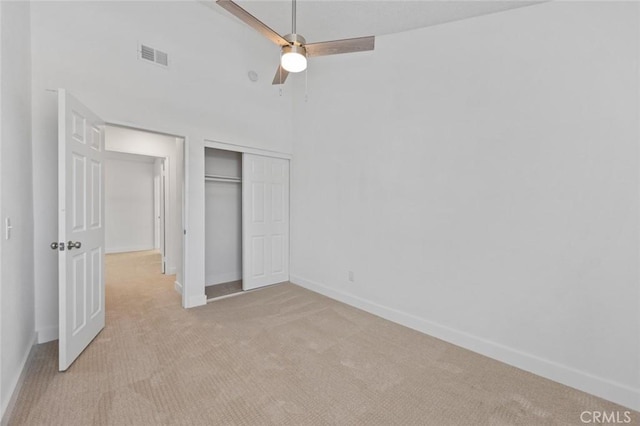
<point x="294" y="48"/>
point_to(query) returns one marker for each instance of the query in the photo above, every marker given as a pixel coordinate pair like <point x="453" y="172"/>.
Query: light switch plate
<point x="7" y="228"/>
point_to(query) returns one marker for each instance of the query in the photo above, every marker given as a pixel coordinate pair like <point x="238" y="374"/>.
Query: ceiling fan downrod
<point x="293" y="17"/>
<point x="295" y="40"/>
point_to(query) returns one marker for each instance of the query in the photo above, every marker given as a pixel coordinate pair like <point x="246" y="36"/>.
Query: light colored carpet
<point x="224" y="289"/>
<point x="278" y="356"/>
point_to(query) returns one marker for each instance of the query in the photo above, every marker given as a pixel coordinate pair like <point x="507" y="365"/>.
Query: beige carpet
<point x="279" y="356"/>
<point x="224" y="289"/>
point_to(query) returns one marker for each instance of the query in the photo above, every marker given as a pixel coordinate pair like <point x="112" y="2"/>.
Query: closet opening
<point x="246" y="219"/>
<point x="223" y="223"/>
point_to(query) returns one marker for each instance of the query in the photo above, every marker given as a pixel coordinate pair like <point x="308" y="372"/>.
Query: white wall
<point x="223" y="218"/>
<point x="129" y="203"/>
<point x="16" y="198"/>
<point x="480" y="178"/>
<point x="120" y="139"/>
<point x="90" y="49"/>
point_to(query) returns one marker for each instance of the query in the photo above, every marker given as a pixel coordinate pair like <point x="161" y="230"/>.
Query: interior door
<point x="265" y="221"/>
<point x="80" y="227"/>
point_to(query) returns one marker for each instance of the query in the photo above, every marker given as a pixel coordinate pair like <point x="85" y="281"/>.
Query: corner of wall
<point x="16" y="384"/>
<point x="195" y="301"/>
<point x="47" y="334"/>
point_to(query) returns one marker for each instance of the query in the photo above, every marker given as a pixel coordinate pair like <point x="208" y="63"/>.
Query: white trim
<point x="113" y="250"/>
<point x="228" y="277"/>
<point x="195" y="301"/>
<point x="612" y="391"/>
<point x="185" y="218"/>
<point x="47" y="334"/>
<point x="15" y="387"/>
<point x="226" y="296"/>
<point x="245" y="149"/>
<point x="178" y="287"/>
<point x="134" y="126"/>
<point x="171" y="270"/>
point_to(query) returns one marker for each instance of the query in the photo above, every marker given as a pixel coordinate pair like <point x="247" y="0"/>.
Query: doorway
<point x="84" y="141"/>
<point x="144" y="177"/>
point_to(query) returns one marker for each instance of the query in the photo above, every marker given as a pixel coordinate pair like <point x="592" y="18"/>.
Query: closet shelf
<point x="218" y="178"/>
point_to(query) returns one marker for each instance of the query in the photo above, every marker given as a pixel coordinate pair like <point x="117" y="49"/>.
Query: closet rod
<point x="223" y="177"/>
<point x="228" y="180"/>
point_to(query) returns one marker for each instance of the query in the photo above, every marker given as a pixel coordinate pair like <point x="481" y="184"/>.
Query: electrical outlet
<point x="352" y="277"/>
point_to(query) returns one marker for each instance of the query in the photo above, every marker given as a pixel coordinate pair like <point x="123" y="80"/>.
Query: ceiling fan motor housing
<point x="294" y="56"/>
<point x="295" y="39"/>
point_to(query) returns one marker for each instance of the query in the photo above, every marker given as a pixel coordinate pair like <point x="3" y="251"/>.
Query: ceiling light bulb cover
<point x="294" y="58"/>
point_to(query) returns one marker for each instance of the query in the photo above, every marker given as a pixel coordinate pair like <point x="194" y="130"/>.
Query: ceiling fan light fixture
<point x="294" y="48"/>
<point x="294" y="58"/>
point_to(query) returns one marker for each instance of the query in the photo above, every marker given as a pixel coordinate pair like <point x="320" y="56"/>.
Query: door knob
<point x="72" y="245"/>
<point x="54" y="245"/>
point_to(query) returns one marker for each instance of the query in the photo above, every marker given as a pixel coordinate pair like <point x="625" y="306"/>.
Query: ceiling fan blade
<point x="253" y="22"/>
<point x="360" y="44"/>
<point x="281" y="75"/>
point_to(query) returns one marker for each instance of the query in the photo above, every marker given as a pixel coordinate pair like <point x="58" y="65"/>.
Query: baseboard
<point x="171" y="270"/>
<point x="14" y="389"/>
<point x="47" y="334"/>
<point x="603" y="388"/>
<point x="195" y="301"/>
<point x="228" y="277"/>
<point x="178" y="287"/>
<point x="112" y="250"/>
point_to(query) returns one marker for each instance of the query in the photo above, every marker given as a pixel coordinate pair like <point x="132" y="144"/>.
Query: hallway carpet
<point x="278" y="356"/>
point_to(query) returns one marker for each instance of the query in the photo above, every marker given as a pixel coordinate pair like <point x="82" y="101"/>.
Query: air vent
<point x="162" y="58"/>
<point x="150" y="54"/>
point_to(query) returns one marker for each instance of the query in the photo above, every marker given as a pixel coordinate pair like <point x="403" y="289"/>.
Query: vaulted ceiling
<point x="320" y="20"/>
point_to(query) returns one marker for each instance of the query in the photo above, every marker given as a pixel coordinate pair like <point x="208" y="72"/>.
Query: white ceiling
<point x="321" y="20"/>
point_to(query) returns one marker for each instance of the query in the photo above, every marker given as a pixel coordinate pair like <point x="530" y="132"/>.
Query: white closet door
<point x="265" y="220"/>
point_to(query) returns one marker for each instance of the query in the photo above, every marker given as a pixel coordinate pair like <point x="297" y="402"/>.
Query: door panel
<point x="96" y="199"/>
<point x="78" y="288"/>
<point x="97" y="274"/>
<point x="265" y="224"/>
<point x="80" y="220"/>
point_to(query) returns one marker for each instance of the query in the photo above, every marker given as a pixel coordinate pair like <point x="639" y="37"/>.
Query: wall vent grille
<point x="162" y="58"/>
<point x="148" y="53"/>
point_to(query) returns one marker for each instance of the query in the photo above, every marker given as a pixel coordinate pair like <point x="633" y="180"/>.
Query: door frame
<point x="185" y="197"/>
<point x="159" y="209"/>
<point x="164" y="212"/>
<point x="208" y="143"/>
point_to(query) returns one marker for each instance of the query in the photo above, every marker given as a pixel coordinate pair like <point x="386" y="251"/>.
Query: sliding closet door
<point x="265" y="220"/>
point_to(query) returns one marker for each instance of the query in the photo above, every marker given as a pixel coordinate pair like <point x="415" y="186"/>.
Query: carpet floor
<point x="278" y="356"/>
